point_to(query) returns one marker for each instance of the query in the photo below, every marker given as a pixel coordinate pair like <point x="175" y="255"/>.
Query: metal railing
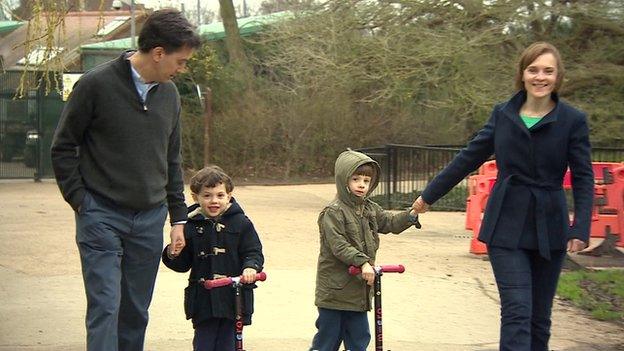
<point x="407" y="169"/>
<point x="26" y="128"/>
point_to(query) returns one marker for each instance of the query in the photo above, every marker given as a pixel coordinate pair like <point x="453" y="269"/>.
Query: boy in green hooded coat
<point x="349" y="229"/>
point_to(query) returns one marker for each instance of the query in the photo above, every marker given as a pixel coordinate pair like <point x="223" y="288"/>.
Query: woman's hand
<point x="420" y="206"/>
<point x="576" y="245"/>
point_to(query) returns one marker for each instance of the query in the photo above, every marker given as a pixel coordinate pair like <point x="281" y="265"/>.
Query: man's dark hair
<point x="211" y="176"/>
<point x="169" y="29"/>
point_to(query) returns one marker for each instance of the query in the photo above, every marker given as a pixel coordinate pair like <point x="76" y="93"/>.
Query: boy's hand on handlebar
<point x="248" y="276"/>
<point x="368" y="273"/>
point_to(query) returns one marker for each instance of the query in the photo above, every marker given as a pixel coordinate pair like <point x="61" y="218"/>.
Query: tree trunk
<point x="233" y="41"/>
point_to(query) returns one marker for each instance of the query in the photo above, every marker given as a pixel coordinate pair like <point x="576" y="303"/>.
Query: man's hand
<point x="248" y="276"/>
<point x="420" y="206"/>
<point x="368" y="273"/>
<point x="576" y="245"/>
<point x="177" y="239"/>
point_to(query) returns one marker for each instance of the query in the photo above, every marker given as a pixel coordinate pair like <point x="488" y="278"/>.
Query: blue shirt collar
<point x="140" y="84"/>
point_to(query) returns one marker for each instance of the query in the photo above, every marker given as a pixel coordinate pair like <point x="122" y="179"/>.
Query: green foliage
<point x="363" y="73"/>
<point x="202" y="67"/>
<point x="599" y="292"/>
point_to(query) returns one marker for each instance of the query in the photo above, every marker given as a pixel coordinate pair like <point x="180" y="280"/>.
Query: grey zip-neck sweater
<point x="111" y="143"/>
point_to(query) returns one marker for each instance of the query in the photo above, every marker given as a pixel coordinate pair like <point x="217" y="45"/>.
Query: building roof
<point x="212" y="31"/>
<point x="246" y="25"/>
<point x="8" y="26"/>
<point x="80" y="28"/>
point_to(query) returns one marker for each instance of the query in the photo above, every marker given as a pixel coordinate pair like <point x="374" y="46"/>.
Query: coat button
<point x="200" y="230"/>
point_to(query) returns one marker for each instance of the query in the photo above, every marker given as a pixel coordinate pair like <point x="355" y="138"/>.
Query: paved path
<point x="446" y="300"/>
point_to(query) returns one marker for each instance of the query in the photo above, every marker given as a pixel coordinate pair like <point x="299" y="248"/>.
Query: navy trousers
<point x="526" y="284"/>
<point x="335" y="326"/>
<point x="216" y="334"/>
<point x="119" y="253"/>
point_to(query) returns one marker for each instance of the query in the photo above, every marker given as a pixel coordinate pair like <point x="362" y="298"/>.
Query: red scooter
<point x="379" y="271"/>
<point x="236" y="283"/>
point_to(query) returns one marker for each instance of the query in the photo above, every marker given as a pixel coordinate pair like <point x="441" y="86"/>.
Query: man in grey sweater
<point x="116" y="158"/>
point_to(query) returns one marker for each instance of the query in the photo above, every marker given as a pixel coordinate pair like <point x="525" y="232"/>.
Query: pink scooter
<point x="379" y="271"/>
<point x="236" y="283"/>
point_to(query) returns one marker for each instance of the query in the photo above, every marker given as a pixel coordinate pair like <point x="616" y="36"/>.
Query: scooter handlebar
<point x="216" y="283"/>
<point x="386" y="268"/>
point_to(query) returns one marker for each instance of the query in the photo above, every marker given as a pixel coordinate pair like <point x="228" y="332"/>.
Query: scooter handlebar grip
<point x="261" y="276"/>
<point x="215" y="283"/>
<point x="353" y="270"/>
<point x="392" y="268"/>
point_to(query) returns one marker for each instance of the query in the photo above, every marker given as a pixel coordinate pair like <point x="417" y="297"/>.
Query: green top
<point x="530" y="121"/>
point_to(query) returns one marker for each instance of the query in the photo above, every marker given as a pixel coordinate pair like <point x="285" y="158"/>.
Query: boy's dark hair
<point x="211" y="176"/>
<point x="169" y="29"/>
<point x="366" y="169"/>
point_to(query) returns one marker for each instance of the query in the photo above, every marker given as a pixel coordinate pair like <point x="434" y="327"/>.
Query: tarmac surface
<point x="445" y="301"/>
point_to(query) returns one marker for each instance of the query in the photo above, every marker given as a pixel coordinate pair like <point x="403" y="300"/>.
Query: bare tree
<point x="233" y="40"/>
<point x="272" y="6"/>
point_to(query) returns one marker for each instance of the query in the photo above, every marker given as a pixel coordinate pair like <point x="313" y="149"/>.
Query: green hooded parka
<point x="349" y="228"/>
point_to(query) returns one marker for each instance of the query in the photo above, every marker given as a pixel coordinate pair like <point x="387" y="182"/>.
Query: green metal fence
<point x="26" y="127"/>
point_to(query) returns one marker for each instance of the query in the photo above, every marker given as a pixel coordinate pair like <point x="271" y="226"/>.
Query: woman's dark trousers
<point x="526" y="284"/>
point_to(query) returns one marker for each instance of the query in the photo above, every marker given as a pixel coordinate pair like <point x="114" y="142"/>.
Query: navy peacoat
<point x="219" y="247"/>
<point x="531" y="166"/>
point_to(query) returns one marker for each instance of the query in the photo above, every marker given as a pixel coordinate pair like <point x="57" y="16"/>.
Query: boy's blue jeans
<point x="526" y="284"/>
<point x="119" y="252"/>
<point x="335" y="326"/>
<point x="215" y="334"/>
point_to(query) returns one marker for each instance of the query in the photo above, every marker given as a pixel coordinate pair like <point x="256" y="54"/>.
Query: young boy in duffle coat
<point x="220" y="242"/>
<point x="349" y="229"/>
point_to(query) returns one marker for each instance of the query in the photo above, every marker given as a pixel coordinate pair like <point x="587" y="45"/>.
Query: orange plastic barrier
<point x="480" y="186"/>
<point x="607" y="215"/>
<point x="489" y="168"/>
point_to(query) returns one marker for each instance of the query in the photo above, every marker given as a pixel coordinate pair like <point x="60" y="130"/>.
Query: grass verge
<point x="601" y="293"/>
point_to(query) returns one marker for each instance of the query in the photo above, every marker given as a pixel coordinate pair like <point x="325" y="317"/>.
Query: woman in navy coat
<point x="534" y="137"/>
